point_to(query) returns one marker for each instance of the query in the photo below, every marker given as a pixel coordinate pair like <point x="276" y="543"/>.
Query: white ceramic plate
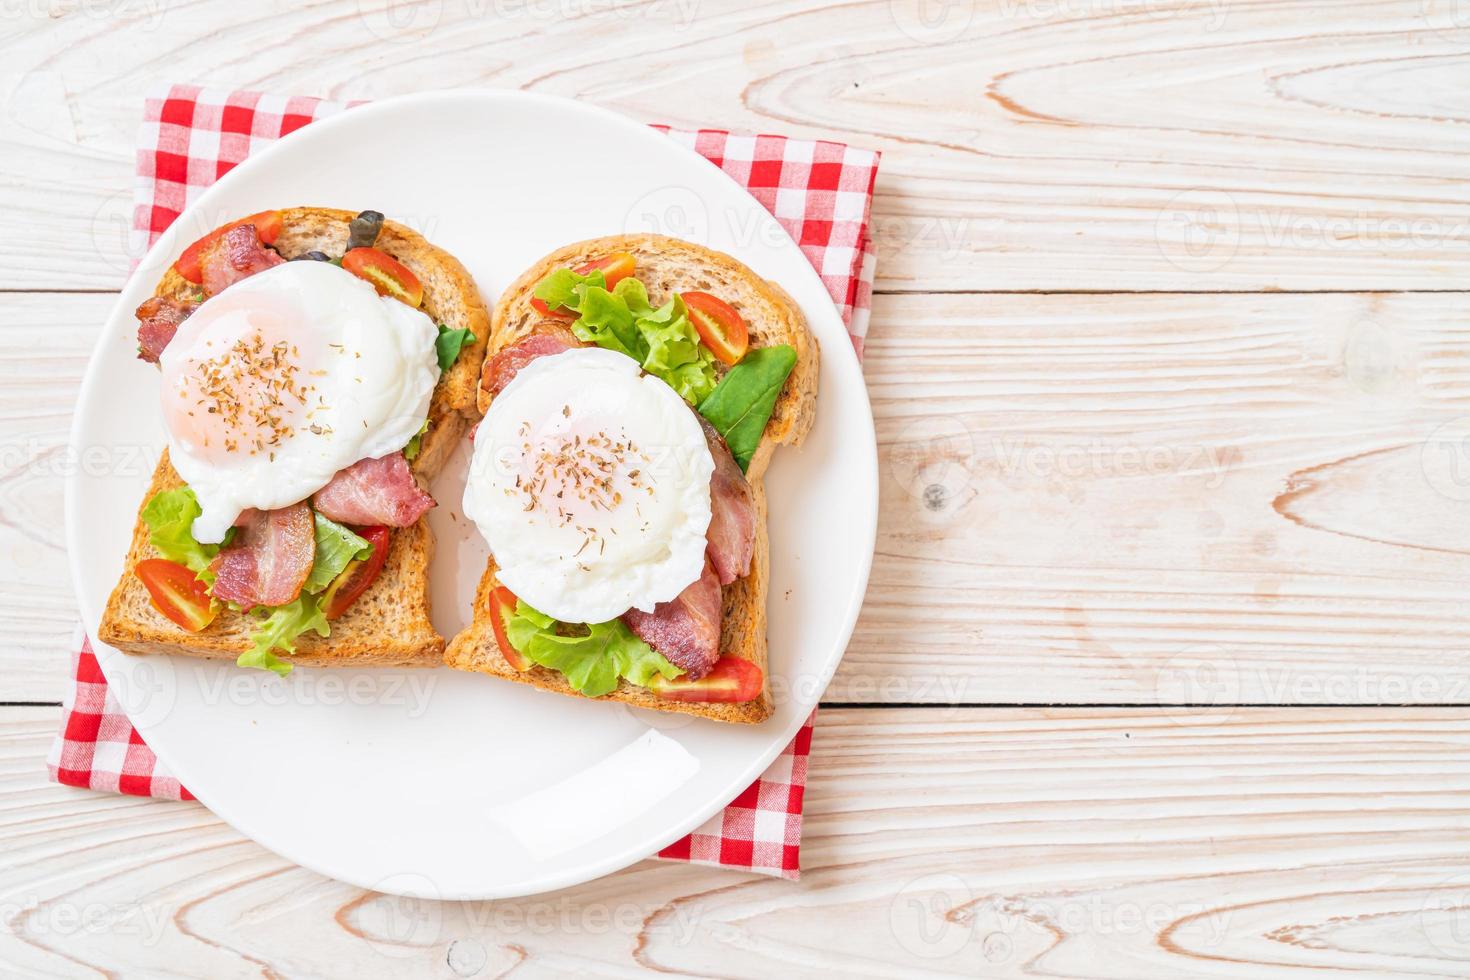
<point x="435" y="782"/>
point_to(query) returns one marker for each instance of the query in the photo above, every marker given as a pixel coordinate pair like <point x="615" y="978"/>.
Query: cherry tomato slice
<point x="353" y="580"/>
<point x="731" y="679"/>
<point x="615" y="268"/>
<point x="720" y="327"/>
<point x="267" y="226"/>
<point x="560" y="313"/>
<point x="388" y="276"/>
<point x="502" y="604"/>
<point x="177" y="593"/>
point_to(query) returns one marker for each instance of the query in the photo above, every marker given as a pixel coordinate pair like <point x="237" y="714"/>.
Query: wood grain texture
<point x="1085" y="499"/>
<point x="1093" y="844"/>
<point x="1028" y="144"/>
<point x="1178" y="496"/>
<point x="45" y="342"/>
<point x="1162" y="498"/>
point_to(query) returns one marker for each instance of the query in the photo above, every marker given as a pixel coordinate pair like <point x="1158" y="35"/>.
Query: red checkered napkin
<point x="821" y="194"/>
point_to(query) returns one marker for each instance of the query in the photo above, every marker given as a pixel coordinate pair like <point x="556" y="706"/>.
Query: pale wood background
<point x="1171" y="368"/>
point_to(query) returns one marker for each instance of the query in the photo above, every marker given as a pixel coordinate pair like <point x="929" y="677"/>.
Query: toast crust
<point x="667" y="265"/>
<point x="389" y="624"/>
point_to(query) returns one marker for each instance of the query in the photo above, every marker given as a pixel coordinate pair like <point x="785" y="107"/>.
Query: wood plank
<point x="1085" y="499"/>
<point x="45" y="342"/>
<point x="1029" y="144"/>
<point x="1098" y="844"/>
<point x="1168" y="498"/>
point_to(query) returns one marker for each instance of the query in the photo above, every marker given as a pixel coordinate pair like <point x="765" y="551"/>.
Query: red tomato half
<point x="388" y="276"/>
<point x="267" y="226"/>
<point x="615" y="268"/>
<point x="731" y="679"/>
<point x="539" y="305"/>
<point x="353" y="580"/>
<point x="177" y="593"/>
<point x="502" y="604"/>
<point x="720" y="327"/>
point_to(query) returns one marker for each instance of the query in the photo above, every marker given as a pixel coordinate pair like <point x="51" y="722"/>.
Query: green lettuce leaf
<point x="606" y="321"/>
<point x="335" y="547"/>
<point x="560" y="287"/>
<point x="662" y="340"/>
<point x="591" y="657"/>
<point x="741" y="405"/>
<point x="170" y="517"/>
<point x="279" y="630"/>
<point x="448" y="346"/>
<point x="411" y="451"/>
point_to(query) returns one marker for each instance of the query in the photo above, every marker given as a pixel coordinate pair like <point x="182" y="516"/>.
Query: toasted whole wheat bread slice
<point x="666" y="266"/>
<point x="389" y="624"/>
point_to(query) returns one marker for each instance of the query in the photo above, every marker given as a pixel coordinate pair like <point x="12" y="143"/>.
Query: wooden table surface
<point x="1162" y="671"/>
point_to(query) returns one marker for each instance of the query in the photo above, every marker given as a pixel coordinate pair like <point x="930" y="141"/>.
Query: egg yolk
<point x="242" y="390"/>
<point x="585" y="476"/>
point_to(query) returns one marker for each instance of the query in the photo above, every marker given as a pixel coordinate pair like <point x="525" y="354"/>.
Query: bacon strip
<point x="549" y="337"/>
<point x="686" y="629"/>
<point x="731" y="531"/>
<point x="374" y="491"/>
<point x="270" y="558"/>
<point x="159" y="318"/>
<point x="235" y="255"/>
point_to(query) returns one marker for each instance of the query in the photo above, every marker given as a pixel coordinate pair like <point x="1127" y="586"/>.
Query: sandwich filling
<point x="622" y="582"/>
<point x="294" y="395"/>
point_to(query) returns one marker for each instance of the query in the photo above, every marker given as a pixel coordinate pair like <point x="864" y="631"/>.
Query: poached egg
<point x="590" y="481"/>
<point x="275" y="384"/>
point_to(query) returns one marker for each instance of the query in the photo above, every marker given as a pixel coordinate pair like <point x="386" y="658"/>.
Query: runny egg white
<point x="591" y="484"/>
<point x="283" y="379"/>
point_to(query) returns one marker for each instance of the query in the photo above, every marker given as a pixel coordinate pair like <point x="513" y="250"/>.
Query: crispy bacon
<point x="549" y="337"/>
<point x="731" y="531"/>
<point x="686" y="629"/>
<point x="374" y="491"/>
<point x="270" y="558"/>
<point x="158" y="319"/>
<point x="235" y="255"/>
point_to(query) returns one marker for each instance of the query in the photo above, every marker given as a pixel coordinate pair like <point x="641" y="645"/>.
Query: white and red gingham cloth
<point x="820" y="192"/>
